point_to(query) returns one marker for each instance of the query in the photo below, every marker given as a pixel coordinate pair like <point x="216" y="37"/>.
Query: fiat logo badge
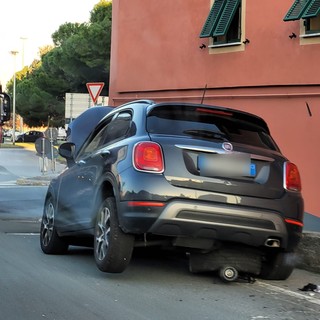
<point x="227" y="146"/>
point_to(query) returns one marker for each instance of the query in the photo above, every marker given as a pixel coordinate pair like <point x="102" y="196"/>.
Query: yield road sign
<point x="95" y="89"/>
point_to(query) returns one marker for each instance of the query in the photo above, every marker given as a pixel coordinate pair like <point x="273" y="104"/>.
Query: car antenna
<point x="204" y="92"/>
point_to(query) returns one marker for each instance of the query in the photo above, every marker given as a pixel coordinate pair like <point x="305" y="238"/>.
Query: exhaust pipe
<point x="272" y="243"/>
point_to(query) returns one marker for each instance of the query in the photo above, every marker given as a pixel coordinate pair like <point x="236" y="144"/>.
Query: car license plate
<point x="253" y="170"/>
<point x="226" y="165"/>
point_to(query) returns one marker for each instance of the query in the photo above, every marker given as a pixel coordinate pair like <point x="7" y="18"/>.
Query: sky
<point x="27" y="25"/>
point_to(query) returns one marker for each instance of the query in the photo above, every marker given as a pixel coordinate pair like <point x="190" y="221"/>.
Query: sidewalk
<point x="41" y="180"/>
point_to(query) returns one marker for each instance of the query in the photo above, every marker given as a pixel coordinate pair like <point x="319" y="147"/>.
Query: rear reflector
<point x="145" y="204"/>
<point x="292" y="181"/>
<point x="147" y="156"/>
<point x="295" y="222"/>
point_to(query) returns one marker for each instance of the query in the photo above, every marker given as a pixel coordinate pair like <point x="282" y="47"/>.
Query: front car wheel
<point x="50" y="242"/>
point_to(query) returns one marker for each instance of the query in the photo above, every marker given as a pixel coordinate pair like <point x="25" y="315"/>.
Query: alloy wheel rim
<point x="102" y="234"/>
<point x="47" y="224"/>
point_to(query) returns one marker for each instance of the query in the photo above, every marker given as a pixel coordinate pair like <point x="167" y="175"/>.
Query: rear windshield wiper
<point x="206" y="134"/>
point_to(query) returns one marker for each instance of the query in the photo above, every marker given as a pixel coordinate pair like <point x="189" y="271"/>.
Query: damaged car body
<point x="208" y="180"/>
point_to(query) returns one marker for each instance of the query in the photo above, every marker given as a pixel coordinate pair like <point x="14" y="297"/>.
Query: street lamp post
<point x="14" y="53"/>
<point x="23" y="39"/>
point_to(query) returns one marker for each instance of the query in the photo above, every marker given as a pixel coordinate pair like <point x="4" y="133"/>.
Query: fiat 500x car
<point x="208" y="180"/>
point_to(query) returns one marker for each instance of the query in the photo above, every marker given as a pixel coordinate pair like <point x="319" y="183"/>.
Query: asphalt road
<point x="38" y="286"/>
<point x="21" y="202"/>
<point x="156" y="285"/>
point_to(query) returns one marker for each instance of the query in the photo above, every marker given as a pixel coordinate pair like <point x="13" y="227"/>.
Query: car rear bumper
<point x="183" y="218"/>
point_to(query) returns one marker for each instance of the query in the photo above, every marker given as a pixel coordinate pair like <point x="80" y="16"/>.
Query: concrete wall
<point x="156" y="54"/>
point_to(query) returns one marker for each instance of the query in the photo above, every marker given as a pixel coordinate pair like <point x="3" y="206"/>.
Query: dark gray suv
<point x="207" y="180"/>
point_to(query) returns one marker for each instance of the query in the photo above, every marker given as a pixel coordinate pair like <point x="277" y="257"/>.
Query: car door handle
<point x="81" y="162"/>
<point x="104" y="153"/>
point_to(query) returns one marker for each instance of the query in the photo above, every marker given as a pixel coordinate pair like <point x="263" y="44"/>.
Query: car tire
<point x="228" y="274"/>
<point x="112" y="247"/>
<point x="278" y="266"/>
<point x="50" y="242"/>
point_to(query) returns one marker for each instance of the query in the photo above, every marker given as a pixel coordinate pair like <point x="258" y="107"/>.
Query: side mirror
<point x="5" y="107"/>
<point x="67" y="150"/>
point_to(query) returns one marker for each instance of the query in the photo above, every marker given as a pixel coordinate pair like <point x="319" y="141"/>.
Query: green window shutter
<point x="212" y="19"/>
<point x="296" y="10"/>
<point x="312" y="10"/>
<point x="226" y="18"/>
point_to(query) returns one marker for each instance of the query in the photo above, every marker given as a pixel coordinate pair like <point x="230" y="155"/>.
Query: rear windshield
<point x="208" y="124"/>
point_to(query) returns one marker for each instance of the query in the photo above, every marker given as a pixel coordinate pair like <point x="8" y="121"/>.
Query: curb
<point x="309" y="252"/>
<point x="36" y="181"/>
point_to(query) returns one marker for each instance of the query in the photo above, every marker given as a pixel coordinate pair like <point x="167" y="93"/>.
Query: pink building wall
<point x="156" y="55"/>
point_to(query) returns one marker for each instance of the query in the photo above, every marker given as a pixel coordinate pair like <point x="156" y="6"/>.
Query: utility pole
<point x="22" y="53"/>
<point x="14" y="53"/>
<point x="23" y="39"/>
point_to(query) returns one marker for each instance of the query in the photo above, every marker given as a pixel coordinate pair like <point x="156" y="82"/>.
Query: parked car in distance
<point x="210" y="181"/>
<point x="29" y="136"/>
<point x="8" y="133"/>
<point x="62" y="134"/>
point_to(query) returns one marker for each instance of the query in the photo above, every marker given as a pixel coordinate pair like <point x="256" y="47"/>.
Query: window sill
<point x="212" y="46"/>
<point x="310" y="35"/>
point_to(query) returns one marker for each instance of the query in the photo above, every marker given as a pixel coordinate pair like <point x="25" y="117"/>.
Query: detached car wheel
<point x="50" y="242"/>
<point x="278" y="266"/>
<point x="228" y="274"/>
<point x="112" y="247"/>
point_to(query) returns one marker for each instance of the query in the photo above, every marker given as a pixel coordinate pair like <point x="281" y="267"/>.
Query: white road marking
<point x="8" y="183"/>
<point x="289" y="292"/>
<point x="22" y="234"/>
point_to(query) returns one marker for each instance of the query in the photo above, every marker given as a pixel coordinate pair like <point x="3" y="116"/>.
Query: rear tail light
<point x="292" y="181"/>
<point x="147" y="156"/>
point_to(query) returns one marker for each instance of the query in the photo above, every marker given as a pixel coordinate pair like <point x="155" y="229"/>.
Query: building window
<point x="223" y="23"/>
<point x="309" y="11"/>
<point x="312" y="25"/>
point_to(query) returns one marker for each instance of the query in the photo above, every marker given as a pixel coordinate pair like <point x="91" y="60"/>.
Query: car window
<point x="193" y="123"/>
<point x="115" y="128"/>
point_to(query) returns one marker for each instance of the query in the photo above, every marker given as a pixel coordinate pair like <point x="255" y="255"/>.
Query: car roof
<point x="234" y="113"/>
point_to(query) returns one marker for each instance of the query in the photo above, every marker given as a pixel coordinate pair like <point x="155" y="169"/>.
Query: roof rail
<point x="145" y="101"/>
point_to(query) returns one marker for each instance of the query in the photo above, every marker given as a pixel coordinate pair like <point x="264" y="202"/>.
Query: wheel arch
<point x="51" y="193"/>
<point x="107" y="188"/>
